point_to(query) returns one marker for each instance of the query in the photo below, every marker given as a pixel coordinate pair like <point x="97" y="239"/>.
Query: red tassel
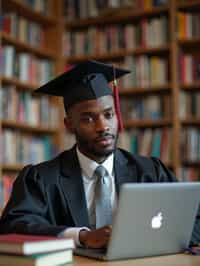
<point x="117" y="106"/>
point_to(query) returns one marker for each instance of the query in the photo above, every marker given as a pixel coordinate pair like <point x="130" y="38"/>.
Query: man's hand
<point x="95" y="238"/>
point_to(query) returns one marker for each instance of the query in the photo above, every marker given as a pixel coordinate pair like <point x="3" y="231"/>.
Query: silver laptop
<point x="152" y="219"/>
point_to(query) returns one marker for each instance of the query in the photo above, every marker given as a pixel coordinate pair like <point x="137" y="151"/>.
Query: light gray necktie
<point x="102" y="197"/>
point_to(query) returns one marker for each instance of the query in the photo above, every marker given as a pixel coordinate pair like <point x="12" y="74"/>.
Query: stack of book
<point x="29" y="250"/>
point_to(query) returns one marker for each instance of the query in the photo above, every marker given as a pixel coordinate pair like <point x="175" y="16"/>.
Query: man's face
<point x="94" y="124"/>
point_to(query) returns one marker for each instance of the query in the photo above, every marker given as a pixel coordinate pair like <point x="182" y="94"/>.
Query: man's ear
<point x="68" y="125"/>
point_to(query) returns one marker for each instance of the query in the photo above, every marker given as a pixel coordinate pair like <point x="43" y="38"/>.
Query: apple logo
<point x="156" y="221"/>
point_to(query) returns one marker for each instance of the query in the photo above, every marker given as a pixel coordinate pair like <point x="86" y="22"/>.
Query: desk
<point x="171" y="260"/>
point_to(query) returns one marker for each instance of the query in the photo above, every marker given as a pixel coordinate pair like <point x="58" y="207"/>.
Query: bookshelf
<point x="158" y="43"/>
<point x="188" y="40"/>
<point x="29" y="58"/>
<point x="132" y="22"/>
<point x="181" y="36"/>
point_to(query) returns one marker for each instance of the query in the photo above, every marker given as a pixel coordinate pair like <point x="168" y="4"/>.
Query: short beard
<point x="91" y="150"/>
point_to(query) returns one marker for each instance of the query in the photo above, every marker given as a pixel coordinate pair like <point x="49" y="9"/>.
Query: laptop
<point x="152" y="219"/>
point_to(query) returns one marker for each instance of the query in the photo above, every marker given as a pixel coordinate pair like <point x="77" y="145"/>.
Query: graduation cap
<point x="85" y="81"/>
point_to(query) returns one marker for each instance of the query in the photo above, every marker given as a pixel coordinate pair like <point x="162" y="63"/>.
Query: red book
<point x="31" y="244"/>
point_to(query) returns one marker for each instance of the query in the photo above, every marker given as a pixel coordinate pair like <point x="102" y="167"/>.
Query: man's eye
<point x="109" y="115"/>
<point x="88" y="119"/>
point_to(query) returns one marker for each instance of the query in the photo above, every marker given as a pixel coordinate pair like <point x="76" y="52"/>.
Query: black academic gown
<point x="49" y="197"/>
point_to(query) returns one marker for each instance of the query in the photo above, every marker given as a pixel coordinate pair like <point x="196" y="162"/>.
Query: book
<point x="32" y="244"/>
<point x="46" y="259"/>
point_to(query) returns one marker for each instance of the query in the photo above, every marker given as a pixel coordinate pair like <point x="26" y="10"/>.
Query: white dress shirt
<point x="88" y="167"/>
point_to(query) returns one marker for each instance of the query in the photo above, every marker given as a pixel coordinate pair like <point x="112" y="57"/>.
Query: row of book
<point x="92" y="8"/>
<point x="24" y="107"/>
<point x="148" y="4"/>
<point x="188" y="25"/>
<point x="190" y="174"/>
<point x="148" y="107"/>
<point x="22" y="29"/>
<point x="189" y="104"/>
<point x="146" y="71"/>
<point x="149" y="71"/>
<point x="190" y="144"/>
<point x="189" y="70"/>
<point x="37" y="5"/>
<point x="21" y="148"/>
<point x="148" y="142"/>
<point x="25" y="66"/>
<point x="111" y="38"/>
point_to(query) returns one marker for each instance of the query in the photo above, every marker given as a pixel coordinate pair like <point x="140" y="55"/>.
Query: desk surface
<point x="171" y="260"/>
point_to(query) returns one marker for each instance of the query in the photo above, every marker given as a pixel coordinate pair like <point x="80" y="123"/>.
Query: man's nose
<point x="102" y="124"/>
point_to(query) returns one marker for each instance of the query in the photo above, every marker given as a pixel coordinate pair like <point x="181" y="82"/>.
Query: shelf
<point x="12" y="167"/>
<point x="19" y="84"/>
<point x="152" y="50"/>
<point x="113" y="56"/>
<point x="191" y="163"/>
<point x="28" y="12"/>
<point x="121" y="17"/>
<point x="193" y="86"/>
<point x="47" y="28"/>
<point x="189" y="5"/>
<point x="27" y="128"/>
<point x="141" y="123"/>
<point x="145" y="91"/>
<point x="53" y="23"/>
<point x="189" y="42"/>
<point x="191" y="122"/>
<point x="24" y="47"/>
<point x="100" y="57"/>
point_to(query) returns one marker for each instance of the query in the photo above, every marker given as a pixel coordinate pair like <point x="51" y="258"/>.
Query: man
<point x="65" y="196"/>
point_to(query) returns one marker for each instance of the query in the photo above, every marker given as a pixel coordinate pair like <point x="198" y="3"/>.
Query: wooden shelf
<point x="29" y="13"/>
<point x="100" y="57"/>
<point x="194" y="86"/>
<point x="152" y="50"/>
<point x="189" y="5"/>
<point x="191" y="163"/>
<point x="50" y="26"/>
<point x="24" y="47"/>
<point x="54" y="25"/>
<point x="191" y="122"/>
<point x="113" y="56"/>
<point x="12" y="167"/>
<point x="145" y="91"/>
<point x="27" y="128"/>
<point x="195" y="41"/>
<point x="142" y="123"/>
<point x="19" y="84"/>
<point x="119" y="17"/>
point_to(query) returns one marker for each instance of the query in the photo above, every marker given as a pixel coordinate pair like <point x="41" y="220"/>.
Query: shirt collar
<point x="88" y="166"/>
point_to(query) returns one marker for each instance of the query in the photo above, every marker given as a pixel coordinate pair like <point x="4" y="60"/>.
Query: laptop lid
<point x="153" y="219"/>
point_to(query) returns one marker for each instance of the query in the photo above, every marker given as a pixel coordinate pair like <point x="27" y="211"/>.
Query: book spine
<point x="25" y="66"/>
<point x="25" y="149"/>
<point x="190" y="144"/>
<point x="151" y="33"/>
<point x="148" y="142"/>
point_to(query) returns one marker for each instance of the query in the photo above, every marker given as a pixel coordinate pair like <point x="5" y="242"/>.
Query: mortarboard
<point x="85" y="81"/>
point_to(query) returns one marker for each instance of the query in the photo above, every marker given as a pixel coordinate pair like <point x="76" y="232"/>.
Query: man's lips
<point x="106" y="140"/>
